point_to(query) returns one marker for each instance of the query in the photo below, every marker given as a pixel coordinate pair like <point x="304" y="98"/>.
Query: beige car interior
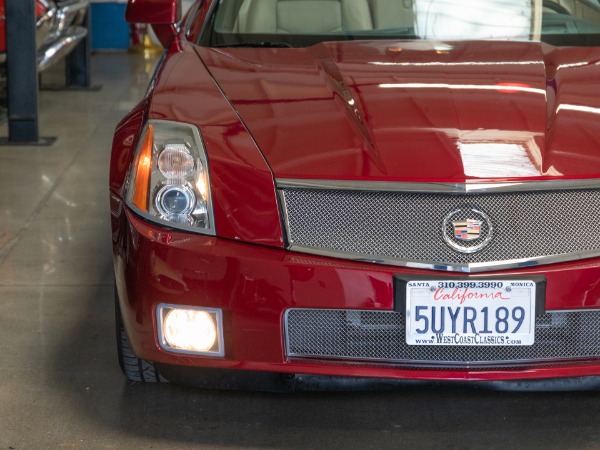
<point x="322" y="16"/>
<point x="330" y="16"/>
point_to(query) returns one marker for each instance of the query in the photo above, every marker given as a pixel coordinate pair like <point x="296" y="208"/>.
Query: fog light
<point x="191" y="330"/>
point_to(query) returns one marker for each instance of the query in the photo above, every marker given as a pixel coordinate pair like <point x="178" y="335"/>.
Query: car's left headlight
<point x="169" y="182"/>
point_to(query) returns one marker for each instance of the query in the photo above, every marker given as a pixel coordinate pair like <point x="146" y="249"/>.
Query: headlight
<point x="169" y="182"/>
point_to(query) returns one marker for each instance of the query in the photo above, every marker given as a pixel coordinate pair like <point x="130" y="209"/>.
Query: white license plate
<point x="470" y="312"/>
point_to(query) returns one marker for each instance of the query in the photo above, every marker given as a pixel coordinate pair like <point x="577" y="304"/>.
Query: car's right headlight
<point x="169" y="181"/>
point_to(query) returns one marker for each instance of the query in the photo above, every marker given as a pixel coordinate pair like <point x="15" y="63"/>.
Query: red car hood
<point x="418" y="111"/>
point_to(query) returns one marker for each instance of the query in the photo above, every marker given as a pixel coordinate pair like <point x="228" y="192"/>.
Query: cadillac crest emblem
<point x="467" y="230"/>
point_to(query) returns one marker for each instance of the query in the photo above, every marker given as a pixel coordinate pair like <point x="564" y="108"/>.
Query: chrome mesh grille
<point x="407" y="226"/>
<point x="379" y="336"/>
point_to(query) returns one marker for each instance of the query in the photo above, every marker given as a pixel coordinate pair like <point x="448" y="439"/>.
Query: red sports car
<point x="361" y="189"/>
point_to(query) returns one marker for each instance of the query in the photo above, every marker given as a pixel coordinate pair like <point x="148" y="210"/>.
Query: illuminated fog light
<point x="176" y="161"/>
<point x="175" y="201"/>
<point x="190" y="330"/>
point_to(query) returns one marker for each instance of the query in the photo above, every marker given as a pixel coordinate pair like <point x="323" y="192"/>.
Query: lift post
<point x="21" y="69"/>
<point x="77" y="67"/>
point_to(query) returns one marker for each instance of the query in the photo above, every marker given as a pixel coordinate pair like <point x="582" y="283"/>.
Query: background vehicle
<point x="58" y="29"/>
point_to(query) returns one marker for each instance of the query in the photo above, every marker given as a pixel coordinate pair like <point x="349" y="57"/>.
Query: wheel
<point x="134" y="368"/>
<point x="556" y="7"/>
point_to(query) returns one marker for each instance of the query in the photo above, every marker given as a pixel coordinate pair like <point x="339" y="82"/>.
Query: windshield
<point x="298" y="23"/>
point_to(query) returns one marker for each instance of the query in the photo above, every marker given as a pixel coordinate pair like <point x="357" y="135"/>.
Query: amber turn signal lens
<point x="144" y="169"/>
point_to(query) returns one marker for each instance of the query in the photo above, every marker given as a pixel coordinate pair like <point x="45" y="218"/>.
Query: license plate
<point x="470" y="313"/>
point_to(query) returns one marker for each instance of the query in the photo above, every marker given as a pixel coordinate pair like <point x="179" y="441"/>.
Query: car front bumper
<point x="255" y="286"/>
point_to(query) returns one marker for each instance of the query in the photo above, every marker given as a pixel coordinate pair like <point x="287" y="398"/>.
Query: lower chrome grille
<point x="379" y="336"/>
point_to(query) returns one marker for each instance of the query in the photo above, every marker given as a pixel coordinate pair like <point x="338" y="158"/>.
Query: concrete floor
<point x="60" y="385"/>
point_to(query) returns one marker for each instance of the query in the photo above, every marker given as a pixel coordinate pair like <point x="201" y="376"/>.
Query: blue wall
<point x="110" y="31"/>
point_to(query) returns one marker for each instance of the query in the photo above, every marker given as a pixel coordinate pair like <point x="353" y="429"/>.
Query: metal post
<point x="78" y="61"/>
<point x="21" y="65"/>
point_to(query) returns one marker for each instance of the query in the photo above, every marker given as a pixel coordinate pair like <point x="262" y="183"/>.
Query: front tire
<point x="134" y="368"/>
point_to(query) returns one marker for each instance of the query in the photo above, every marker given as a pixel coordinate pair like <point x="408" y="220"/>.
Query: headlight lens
<point x="169" y="182"/>
<point x="175" y="202"/>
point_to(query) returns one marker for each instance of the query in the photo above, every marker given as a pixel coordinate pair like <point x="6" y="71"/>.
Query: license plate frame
<point x="402" y="304"/>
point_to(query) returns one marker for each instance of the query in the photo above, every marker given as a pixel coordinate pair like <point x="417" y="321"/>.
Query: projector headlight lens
<point x="175" y="202"/>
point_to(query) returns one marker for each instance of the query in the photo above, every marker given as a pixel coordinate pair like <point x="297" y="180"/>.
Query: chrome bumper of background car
<point x="52" y="52"/>
<point x="44" y="25"/>
<point x="70" y="13"/>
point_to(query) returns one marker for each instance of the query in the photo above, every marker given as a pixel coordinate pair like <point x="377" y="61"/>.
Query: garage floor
<point x="60" y="385"/>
